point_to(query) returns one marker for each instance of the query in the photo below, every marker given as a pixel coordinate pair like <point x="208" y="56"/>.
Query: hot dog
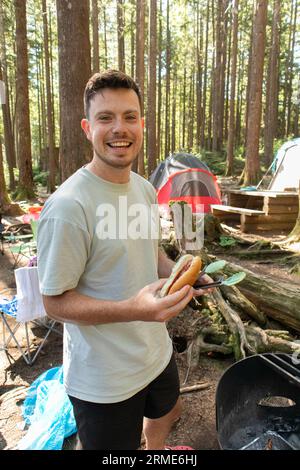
<point x="184" y="272"/>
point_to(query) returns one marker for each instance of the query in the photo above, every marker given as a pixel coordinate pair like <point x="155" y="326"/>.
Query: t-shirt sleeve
<point x="63" y="250"/>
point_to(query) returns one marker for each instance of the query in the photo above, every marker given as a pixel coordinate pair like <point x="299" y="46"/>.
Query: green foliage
<point x="22" y="193"/>
<point x="226" y="241"/>
<point x="40" y="177"/>
<point x="216" y="161"/>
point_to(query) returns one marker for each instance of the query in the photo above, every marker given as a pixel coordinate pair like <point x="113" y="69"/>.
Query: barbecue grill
<point x="258" y="404"/>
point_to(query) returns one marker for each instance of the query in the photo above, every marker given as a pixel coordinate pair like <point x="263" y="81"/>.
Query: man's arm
<point x="146" y="305"/>
<point x="165" y="264"/>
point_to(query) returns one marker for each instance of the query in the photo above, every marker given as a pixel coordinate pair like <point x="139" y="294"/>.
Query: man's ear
<point x="143" y="122"/>
<point x="85" y="125"/>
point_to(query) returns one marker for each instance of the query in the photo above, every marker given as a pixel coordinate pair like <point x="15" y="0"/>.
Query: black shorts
<point x="118" y="426"/>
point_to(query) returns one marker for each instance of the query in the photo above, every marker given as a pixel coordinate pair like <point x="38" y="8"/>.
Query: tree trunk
<point x="168" y="72"/>
<point x="252" y="170"/>
<point x="4" y="198"/>
<point x="8" y="137"/>
<point x="219" y="77"/>
<point x="73" y="41"/>
<point x="231" y="134"/>
<point x="10" y="150"/>
<point x="139" y="164"/>
<point x="51" y="144"/>
<point x="159" y="98"/>
<point x="25" y="187"/>
<point x="203" y="121"/>
<point x="173" y="140"/>
<point x="95" y="20"/>
<point x="151" y="110"/>
<point x="272" y="87"/>
<point x="105" y="35"/>
<point x="121" y="39"/>
<point x="291" y="73"/>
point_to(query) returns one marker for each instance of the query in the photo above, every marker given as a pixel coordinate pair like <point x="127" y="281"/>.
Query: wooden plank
<point x="293" y="200"/>
<point x="269" y="218"/>
<point x="272" y="194"/>
<point x="236" y="210"/>
<point x="227" y="217"/>
<point x="285" y="226"/>
<point x="281" y="209"/>
<point x="238" y="200"/>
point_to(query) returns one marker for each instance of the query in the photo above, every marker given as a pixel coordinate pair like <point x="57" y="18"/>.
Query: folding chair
<point x="23" y="245"/>
<point x="25" y="307"/>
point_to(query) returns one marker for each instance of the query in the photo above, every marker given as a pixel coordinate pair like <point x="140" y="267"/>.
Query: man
<point x="119" y="371"/>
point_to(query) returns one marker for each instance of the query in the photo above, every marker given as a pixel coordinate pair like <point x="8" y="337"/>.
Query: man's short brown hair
<point x="112" y="79"/>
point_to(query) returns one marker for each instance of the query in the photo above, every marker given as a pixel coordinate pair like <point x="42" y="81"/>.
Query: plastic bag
<point x="49" y="412"/>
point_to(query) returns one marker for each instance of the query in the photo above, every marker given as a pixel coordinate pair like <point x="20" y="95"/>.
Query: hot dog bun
<point x="184" y="272"/>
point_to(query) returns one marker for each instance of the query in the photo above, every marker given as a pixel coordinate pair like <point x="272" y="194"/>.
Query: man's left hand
<point x="205" y="279"/>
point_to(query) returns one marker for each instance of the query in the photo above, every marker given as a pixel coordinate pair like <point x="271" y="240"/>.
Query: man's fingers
<point x="157" y="285"/>
<point x="179" y="306"/>
<point x="198" y="292"/>
<point x="173" y="299"/>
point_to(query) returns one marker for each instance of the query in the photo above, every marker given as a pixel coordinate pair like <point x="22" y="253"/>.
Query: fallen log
<point x="278" y="299"/>
<point x="235" y="297"/>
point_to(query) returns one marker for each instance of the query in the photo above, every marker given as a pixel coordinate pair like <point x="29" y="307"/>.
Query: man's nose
<point x="119" y="126"/>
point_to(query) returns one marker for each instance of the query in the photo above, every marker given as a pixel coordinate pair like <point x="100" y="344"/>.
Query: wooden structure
<point x="259" y="210"/>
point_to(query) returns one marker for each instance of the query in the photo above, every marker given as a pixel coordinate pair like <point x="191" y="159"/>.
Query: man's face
<point x="115" y="126"/>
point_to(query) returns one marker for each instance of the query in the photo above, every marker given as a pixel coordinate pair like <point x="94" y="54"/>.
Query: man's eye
<point x="131" y="118"/>
<point x="104" y="118"/>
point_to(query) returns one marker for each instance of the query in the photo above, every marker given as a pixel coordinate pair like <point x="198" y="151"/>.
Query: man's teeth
<point x="119" y="144"/>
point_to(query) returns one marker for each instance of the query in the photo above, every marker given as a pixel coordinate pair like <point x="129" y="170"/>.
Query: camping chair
<point x="19" y="245"/>
<point x="25" y="307"/>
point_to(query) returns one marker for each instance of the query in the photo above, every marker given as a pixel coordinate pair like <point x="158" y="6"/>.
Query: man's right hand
<point x="149" y="306"/>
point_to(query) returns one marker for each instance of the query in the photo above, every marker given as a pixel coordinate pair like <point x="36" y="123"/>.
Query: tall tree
<point x="73" y="42"/>
<point x="159" y="97"/>
<point x="95" y="20"/>
<point x="231" y="133"/>
<point x="219" y="76"/>
<point x="140" y="70"/>
<point x="203" y="114"/>
<point x="51" y="144"/>
<point x="151" y="110"/>
<point x="252" y="169"/>
<point x="121" y="39"/>
<point x="10" y="151"/>
<point x="291" y="72"/>
<point x="25" y="189"/>
<point x="168" y="81"/>
<point x="272" y="86"/>
<point x="4" y="198"/>
<point x="8" y="137"/>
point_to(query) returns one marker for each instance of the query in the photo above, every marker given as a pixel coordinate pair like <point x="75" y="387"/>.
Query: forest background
<point x="219" y="79"/>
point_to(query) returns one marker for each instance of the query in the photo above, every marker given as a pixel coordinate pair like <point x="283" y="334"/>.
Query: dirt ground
<point x="196" y="427"/>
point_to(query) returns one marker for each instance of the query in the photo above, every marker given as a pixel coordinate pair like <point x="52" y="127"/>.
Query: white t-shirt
<point x="83" y="244"/>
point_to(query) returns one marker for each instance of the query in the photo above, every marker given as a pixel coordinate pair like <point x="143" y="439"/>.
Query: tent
<point x="184" y="177"/>
<point x="286" y="167"/>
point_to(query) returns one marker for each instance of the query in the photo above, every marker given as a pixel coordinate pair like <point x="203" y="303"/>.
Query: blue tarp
<point x="49" y="413"/>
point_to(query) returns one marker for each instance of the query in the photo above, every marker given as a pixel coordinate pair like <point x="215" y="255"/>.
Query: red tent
<point x="184" y="177"/>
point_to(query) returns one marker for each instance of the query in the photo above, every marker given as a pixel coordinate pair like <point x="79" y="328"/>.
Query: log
<point x="235" y="297"/>
<point x="278" y="299"/>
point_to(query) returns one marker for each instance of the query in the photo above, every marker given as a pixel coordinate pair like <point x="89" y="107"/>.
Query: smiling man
<point x="119" y="368"/>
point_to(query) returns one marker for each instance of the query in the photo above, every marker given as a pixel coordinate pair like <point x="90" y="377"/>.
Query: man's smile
<point x="119" y="144"/>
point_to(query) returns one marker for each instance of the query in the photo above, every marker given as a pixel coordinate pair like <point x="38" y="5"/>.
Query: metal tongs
<point x="217" y="266"/>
